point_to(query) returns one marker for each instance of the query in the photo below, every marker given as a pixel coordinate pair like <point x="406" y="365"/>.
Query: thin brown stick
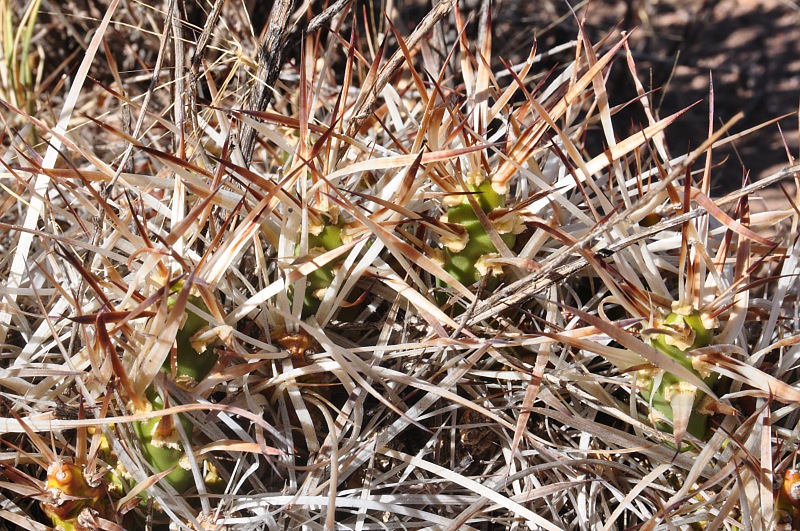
<point x="318" y="21"/>
<point x="270" y="58"/>
<point x="179" y="112"/>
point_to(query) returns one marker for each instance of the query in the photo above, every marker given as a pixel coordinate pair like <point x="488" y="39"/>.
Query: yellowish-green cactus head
<point x="675" y="405"/>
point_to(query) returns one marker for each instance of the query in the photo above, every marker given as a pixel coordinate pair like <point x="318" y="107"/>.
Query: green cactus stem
<point x="191" y="364"/>
<point x="162" y="447"/>
<point x="328" y="239"/>
<point x="159" y="437"/>
<point x="665" y="391"/>
<point x="466" y="253"/>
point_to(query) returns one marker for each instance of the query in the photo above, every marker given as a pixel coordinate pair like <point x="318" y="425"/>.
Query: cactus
<point x="329" y="238"/>
<point x="670" y="397"/>
<point x="787" y="501"/>
<point x="192" y="366"/>
<point x="417" y="162"/>
<point x="159" y="437"/>
<point x="72" y="500"/>
<point x="162" y="446"/>
<point x="469" y="250"/>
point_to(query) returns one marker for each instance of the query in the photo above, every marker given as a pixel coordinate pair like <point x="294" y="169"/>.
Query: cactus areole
<point x="191" y="364"/>
<point x="690" y="333"/>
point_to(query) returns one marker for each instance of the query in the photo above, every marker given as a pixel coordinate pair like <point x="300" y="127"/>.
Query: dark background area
<point x="749" y="48"/>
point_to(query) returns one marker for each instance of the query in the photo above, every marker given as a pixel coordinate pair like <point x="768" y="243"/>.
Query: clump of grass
<point x="18" y="68"/>
<point x="422" y="300"/>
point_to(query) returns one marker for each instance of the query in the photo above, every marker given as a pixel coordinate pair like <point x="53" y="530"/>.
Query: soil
<point x="748" y="50"/>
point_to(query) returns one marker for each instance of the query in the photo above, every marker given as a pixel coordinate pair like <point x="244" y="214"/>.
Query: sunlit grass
<point x="446" y="291"/>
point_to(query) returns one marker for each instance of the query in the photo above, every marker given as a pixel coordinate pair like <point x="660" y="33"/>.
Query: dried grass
<point x="401" y="398"/>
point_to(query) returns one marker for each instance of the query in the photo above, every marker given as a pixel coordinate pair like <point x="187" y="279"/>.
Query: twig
<point x="317" y="22"/>
<point x="270" y="58"/>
